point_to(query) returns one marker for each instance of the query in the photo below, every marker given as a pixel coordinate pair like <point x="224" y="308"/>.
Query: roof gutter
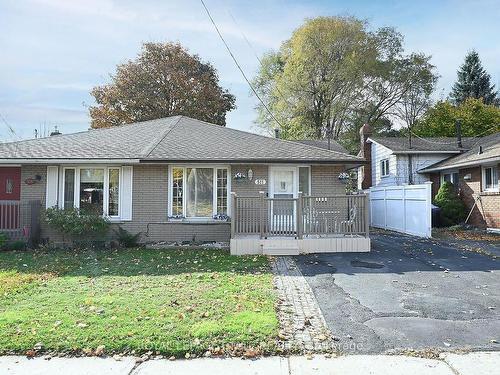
<point x="251" y="161"/>
<point x="69" y="161"/>
<point x="426" y="152"/>
<point x="415" y="151"/>
<point x="458" y="165"/>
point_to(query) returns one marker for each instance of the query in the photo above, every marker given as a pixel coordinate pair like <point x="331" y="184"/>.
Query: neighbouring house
<point x="471" y="164"/>
<point x="394" y="161"/>
<point x="179" y="179"/>
<point x="475" y="175"/>
<point x="328" y="144"/>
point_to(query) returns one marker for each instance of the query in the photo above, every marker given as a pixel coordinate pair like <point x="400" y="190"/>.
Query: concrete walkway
<point x="478" y="363"/>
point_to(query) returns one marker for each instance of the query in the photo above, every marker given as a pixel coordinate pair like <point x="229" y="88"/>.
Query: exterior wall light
<point x="250" y="174"/>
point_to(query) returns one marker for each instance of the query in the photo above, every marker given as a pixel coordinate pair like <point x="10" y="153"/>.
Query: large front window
<point x="94" y="190"/>
<point x="198" y="192"/>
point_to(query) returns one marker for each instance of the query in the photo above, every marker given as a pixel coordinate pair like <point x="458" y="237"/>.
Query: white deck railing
<point x="299" y="217"/>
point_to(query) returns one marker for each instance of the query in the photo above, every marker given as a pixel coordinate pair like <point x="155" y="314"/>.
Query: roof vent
<point x="480" y="151"/>
<point x="55" y="132"/>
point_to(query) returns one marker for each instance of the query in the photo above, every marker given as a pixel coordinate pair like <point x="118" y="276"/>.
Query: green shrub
<point x="453" y="210"/>
<point x="3" y="239"/>
<point x="15" y="245"/>
<point x="127" y="239"/>
<point x="73" y="223"/>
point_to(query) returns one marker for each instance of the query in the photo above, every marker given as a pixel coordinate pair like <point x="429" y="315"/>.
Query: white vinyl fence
<point x="405" y="208"/>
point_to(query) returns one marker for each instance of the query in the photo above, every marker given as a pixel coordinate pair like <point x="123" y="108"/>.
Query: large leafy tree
<point x="477" y="119"/>
<point x="473" y="82"/>
<point x="164" y="80"/>
<point x="416" y="99"/>
<point x="333" y="75"/>
<point x="310" y="82"/>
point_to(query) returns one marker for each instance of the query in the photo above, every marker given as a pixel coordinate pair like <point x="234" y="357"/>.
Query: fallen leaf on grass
<point x="99" y="351"/>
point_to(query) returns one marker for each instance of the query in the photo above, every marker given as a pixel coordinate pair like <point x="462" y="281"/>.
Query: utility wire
<point x="9" y="127"/>
<point x="239" y="66"/>
<point x="453" y="143"/>
<point x="257" y="57"/>
<point x="244" y="37"/>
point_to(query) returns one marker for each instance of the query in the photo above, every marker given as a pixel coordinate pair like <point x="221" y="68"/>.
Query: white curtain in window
<point x="199" y="192"/>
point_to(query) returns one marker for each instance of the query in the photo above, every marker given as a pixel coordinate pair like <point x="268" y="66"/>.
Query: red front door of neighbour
<point x="10" y="183"/>
<point x="10" y="194"/>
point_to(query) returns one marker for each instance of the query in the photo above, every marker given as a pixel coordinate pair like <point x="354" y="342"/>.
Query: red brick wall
<point x="491" y="209"/>
<point x="467" y="189"/>
<point x="365" y="172"/>
<point x="435" y="178"/>
<point x="486" y="213"/>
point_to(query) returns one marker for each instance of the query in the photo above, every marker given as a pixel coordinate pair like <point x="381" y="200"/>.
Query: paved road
<point x="407" y="293"/>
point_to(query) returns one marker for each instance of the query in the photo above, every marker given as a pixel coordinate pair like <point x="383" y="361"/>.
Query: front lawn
<point x="167" y="301"/>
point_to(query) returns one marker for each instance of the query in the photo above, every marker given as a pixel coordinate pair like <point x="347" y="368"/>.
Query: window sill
<point x="197" y="221"/>
<point x="117" y="220"/>
<point x="491" y="192"/>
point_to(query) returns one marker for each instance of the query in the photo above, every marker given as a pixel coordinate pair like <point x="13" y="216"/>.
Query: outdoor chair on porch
<point x="347" y="226"/>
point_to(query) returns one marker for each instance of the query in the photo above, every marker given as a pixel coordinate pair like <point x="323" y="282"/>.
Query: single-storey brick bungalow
<point x="180" y="179"/>
<point x="475" y="175"/>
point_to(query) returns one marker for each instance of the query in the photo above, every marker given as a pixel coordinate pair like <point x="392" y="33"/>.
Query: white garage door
<point x="405" y="208"/>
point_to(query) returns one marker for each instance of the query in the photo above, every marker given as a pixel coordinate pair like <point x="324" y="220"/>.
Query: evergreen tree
<point x="453" y="210"/>
<point x="473" y="82"/>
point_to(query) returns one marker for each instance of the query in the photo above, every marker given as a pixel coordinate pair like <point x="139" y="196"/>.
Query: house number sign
<point x="260" y="181"/>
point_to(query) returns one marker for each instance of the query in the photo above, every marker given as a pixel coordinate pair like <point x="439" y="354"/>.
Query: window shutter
<point x="52" y="184"/>
<point x="126" y="193"/>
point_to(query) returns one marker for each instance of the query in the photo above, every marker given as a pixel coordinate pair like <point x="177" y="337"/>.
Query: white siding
<point x="379" y="153"/>
<point x="398" y="166"/>
<point x="419" y="161"/>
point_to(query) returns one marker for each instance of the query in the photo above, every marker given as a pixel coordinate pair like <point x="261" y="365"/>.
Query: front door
<point x="283" y="190"/>
<point x="10" y="194"/>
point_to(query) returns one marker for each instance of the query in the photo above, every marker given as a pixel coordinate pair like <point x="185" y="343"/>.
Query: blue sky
<point x="54" y="51"/>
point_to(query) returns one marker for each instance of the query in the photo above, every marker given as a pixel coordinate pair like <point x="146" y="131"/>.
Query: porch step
<point x="280" y="247"/>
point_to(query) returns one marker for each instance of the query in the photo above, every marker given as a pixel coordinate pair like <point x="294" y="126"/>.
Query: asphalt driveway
<point x="407" y="293"/>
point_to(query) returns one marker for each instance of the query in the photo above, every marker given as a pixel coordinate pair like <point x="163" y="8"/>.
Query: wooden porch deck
<point x="306" y="224"/>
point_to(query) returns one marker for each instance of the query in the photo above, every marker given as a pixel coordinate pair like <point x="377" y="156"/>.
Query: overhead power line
<point x="454" y="142"/>
<point x="9" y="127"/>
<point x="238" y="65"/>
<point x="246" y="39"/>
<point x="259" y="59"/>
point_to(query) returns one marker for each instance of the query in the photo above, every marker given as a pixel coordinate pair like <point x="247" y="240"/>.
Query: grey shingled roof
<point x="177" y="138"/>
<point x="490" y="149"/>
<point x="323" y="143"/>
<point x="121" y="142"/>
<point x="430" y="144"/>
